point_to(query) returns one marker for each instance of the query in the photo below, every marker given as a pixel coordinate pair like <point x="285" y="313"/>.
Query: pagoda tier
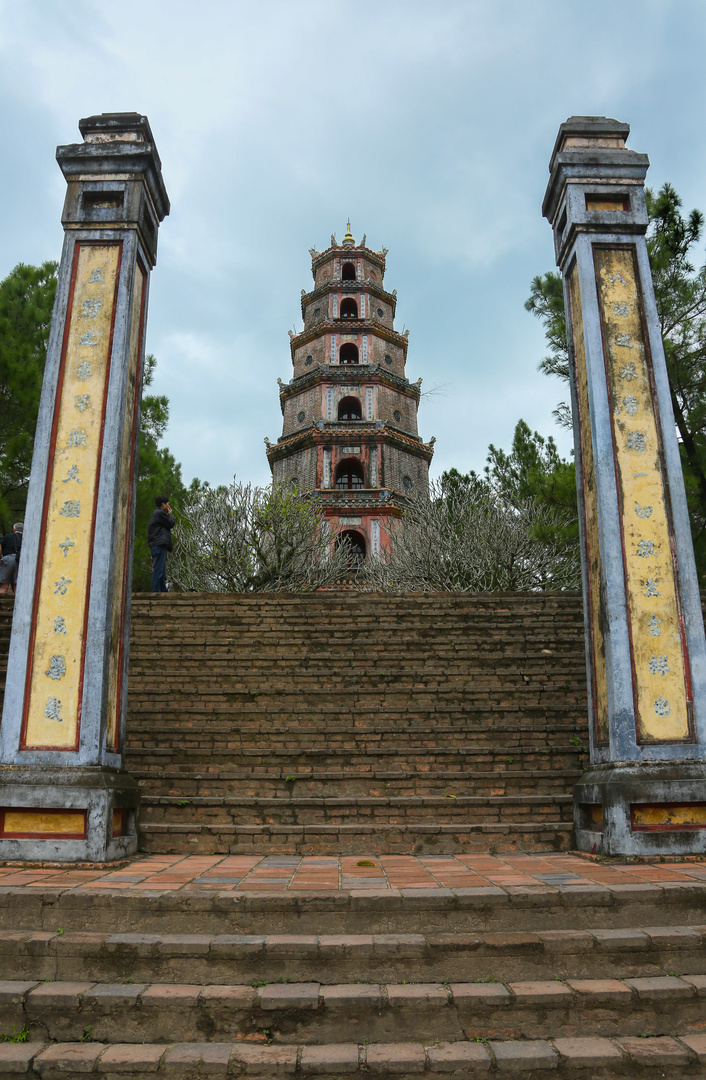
<point x="349" y="413"/>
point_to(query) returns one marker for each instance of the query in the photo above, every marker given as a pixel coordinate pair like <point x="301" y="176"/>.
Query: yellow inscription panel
<point x="125" y="495"/>
<point x="676" y="816"/>
<point x="600" y="684"/>
<point x="607" y="202"/>
<point x="52" y="719"/>
<point x="659" y="674"/>
<point x="45" y="822"/>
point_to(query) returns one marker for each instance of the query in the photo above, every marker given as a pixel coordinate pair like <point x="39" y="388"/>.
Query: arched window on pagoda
<point x="349" y="475"/>
<point x="348" y="353"/>
<point x="349" y="408"/>
<point x="349" y="308"/>
<point x="348" y="272"/>
<point x="357" y="544"/>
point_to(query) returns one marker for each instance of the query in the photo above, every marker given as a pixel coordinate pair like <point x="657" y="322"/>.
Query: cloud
<point x="431" y="125"/>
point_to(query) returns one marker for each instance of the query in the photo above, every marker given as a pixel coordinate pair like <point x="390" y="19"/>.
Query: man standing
<point x="9" y="557"/>
<point x="159" y="538"/>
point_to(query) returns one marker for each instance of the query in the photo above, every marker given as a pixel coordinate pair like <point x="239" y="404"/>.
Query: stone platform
<point x="352" y="863"/>
<point x="323" y="724"/>
<point x="529" y="966"/>
<point x="350" y="873"/>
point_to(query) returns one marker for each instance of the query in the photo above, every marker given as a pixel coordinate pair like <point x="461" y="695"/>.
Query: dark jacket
<point x="11" y="544"/>
<point x="159" y="529"/>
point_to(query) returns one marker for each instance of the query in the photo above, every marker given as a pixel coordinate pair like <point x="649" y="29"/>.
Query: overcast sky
<point x="430" y="124"/>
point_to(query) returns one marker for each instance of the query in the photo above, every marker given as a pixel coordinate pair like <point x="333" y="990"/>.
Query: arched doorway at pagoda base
<point x="357" y="544"/>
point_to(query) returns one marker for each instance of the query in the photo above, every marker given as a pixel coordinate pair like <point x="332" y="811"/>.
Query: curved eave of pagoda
<point x="363" y="326"/>
<point x="333" y="432"/>
<point x="371" y="374"/>
<point x="320" y="257"/>
<point x="349" y="286"/>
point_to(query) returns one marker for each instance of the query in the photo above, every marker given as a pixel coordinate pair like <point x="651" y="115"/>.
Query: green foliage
<point x="532" y="472"/>
<point x="15" y="1036"/>
<point x="242" y="538"/>
<point x="546" y="302"/>
<point x="469" y="537"/>
<point x="534" y="469"/>
<point x="26" y="303"/>
<point x="680" y="294"/>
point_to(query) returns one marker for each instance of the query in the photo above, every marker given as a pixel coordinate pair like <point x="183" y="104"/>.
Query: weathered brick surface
<point x="433" y="722"/>
<point x="587" y="1053"/>
<point x="414" y="967"/>
<point x="296" y="723"/>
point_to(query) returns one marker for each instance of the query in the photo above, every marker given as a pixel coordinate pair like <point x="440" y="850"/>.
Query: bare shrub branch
<point x="249" y="539"/>
<point x="471" y="540"/>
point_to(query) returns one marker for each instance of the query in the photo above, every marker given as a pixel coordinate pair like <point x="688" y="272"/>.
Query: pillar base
<point x="653" y="808"/>
<point x="65" y="814"/>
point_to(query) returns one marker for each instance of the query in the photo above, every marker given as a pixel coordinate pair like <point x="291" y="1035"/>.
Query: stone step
<point x="411" y="839"/>
<point x="397" y="758"/>
<point x="350" y="761"/>
<point x="224" y="959"/>
<point x="458" y="810"/>
<point x="559" y="1058"/>
<point x="203" y="747"/>
<point x="400" y="758"/>
<point x="312" y="1013"/>
<point x="369" y="691"/>
<point x="169" y="781"/>
<point x="158" y="778"/>
<point x="189" y="745"/>
<point x="345" y="761"/>
<point x="212" y="906"/>
<point x="546" y="736"/>
<point x="516" y="663"/>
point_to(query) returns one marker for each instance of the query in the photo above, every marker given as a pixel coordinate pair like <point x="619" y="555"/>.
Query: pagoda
<point x="349" y="428"/>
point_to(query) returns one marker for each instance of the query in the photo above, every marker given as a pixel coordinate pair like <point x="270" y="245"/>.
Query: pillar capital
<point x="594" y="182"/>
<point x="114" y="178"/>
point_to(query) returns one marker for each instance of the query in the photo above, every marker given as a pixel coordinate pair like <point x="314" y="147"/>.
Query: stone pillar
<point x="64" y="794"/>
<point x="645" y="792"/>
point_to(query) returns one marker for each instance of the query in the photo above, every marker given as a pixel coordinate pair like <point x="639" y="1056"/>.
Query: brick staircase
<point x="319" y="723"/>
<point x="563" y="981"/>
<point x="324" y="723"/>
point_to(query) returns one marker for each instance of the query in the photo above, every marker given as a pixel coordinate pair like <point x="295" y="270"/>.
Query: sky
<point x="429" y="123"/>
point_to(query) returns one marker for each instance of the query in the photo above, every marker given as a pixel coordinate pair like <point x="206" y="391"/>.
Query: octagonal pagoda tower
<point x="350" y="414"/>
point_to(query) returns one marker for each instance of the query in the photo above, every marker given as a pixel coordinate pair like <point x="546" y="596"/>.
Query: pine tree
<point x="26" y="303"/>
<point x="680" y="293"/>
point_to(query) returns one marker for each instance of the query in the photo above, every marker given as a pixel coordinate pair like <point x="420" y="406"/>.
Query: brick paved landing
<point x="273" y="873"/>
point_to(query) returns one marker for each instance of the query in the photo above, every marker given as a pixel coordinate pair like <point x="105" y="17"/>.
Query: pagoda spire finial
<point x="348" y="240"/>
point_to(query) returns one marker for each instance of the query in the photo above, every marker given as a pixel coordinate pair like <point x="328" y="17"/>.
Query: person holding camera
<point x="159" y="539"/>
<point x="10" y="557"/>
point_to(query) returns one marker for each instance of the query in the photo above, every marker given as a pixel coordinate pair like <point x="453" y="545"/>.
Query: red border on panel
<point x="47" y="492"/>
<point x="631" y="248"/>
<point x="133" y="458"/>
